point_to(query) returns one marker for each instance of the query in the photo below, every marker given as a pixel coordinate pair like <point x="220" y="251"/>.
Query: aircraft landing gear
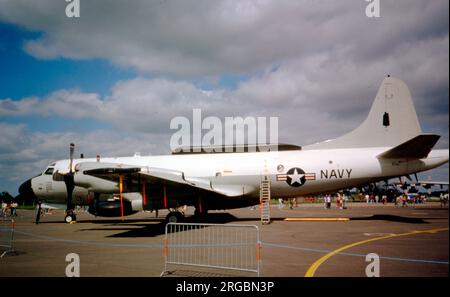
<point x="70" y="217"/>
<point x="174" y="217"/>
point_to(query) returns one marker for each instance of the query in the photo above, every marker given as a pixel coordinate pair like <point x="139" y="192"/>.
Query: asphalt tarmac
<point x="410" y="242"/>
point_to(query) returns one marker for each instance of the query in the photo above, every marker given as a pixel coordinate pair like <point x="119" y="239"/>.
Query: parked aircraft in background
<point x="388" y="144"/>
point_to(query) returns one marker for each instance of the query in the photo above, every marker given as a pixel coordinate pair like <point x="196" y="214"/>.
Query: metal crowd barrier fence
<point x="7" y="236"/>
<point x="216" y="246"/>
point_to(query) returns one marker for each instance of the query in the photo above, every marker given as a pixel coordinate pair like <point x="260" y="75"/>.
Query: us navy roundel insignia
<point x="296" y="177"/>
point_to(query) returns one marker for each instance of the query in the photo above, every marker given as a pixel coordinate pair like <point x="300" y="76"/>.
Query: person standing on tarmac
<point x="328" y="201"/>
<point x="384" y="199"/>
<point x="338" y="201"/>
<point x="3" y="210"/>
<point x="405" y="200"/>
<point x="280" y="203"/>
<point x="14" y="208"/>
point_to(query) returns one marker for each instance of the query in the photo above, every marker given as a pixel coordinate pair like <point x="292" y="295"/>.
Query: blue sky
<point x="29" y="76"/>
<point x="112" y="81"/>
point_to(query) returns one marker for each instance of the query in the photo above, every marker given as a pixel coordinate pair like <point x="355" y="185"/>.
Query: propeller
<point x="404" y="186"/>
<point x="70" y="181"/>
<point x="96" y="201"/>
<point x="386" y="183"/>
<point x="38" y="214"/>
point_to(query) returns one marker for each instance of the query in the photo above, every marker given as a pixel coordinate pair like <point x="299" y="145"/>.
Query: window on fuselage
<point x="49" y="171"/>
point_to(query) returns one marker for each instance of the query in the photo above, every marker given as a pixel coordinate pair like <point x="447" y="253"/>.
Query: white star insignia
<point x="295" y="177"/>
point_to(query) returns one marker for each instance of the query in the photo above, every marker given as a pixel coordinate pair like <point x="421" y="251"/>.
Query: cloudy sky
<point x="112" y="80"/>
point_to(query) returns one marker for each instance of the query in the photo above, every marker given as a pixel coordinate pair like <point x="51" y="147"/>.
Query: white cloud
<point x="315" y="64"/>
<point x="313" y="93"/>
<point x="215" y="37"/>
<point x="24" y="153"/>
<point x="141" y="109"/>
<point x="63" y="103"/>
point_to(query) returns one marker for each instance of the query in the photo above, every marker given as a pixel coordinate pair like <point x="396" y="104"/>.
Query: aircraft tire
<point x="174" y="217"/>
<point x="70" y="218"/>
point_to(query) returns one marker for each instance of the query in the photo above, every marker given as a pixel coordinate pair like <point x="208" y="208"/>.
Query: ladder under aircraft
<point x="265" y="200"/>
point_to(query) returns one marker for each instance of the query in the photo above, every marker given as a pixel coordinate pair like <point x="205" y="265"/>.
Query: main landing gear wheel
<point x="174" y="217"/>
<point x="70" y="217"/>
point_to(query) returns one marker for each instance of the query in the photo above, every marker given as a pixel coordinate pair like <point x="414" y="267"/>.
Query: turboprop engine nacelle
<point x="111" y="209"/>
<point x="132" y="203"/>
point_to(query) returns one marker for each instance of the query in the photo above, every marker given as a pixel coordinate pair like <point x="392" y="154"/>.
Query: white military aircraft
<point x="389" y="143"/>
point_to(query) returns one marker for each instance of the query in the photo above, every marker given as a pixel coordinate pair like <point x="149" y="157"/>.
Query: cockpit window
<point x="49" y="171"/>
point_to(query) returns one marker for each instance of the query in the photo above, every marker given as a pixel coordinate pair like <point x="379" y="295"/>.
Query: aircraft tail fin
<point x="416" y="148"/>
<point x="392" y="120"/>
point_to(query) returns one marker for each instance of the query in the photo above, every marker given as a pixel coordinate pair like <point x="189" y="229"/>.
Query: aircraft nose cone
<point x="26" y="190"/>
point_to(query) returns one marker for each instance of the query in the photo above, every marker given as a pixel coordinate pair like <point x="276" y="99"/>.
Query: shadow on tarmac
<point x="156" y="226"/>
<point x="151" y="230"/>
<point x="392" y="218"/>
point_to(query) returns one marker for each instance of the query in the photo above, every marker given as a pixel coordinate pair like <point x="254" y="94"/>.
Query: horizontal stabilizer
<point x="416" y="148"/>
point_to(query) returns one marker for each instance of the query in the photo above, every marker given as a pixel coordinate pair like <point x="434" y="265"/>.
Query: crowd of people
<point x="376" y="198"/>
<point x="403" y="200"/>
<point x="11" y="207"/>
<point x="341" y="201"/>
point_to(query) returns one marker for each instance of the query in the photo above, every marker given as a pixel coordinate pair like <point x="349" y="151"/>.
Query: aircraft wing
<point x="159" y="176"/>
<point x="433" y="183"/>
<point x="429" y="184"/>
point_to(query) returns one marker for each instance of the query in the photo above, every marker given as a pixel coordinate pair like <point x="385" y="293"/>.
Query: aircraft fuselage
<point x="291" y="173"/>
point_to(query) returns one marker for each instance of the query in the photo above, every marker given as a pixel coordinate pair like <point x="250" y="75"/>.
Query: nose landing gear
<point x="70" y="217"/>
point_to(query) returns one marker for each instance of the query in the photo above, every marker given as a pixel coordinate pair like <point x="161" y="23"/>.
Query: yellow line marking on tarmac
<point x="316" y="219"/>
<point x="378" y="234"/>
<point x="312" y="269"/>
